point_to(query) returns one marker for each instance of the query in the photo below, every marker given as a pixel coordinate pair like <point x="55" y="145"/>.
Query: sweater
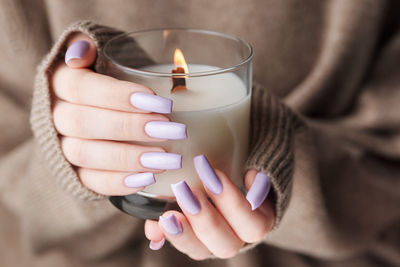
<point x="324" y="127"/>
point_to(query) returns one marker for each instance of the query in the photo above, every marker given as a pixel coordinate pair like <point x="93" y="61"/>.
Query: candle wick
<point x="178" y="82"/>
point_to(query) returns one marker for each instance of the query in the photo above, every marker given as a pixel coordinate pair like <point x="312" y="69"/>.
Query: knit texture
<point x="272" y="144"/>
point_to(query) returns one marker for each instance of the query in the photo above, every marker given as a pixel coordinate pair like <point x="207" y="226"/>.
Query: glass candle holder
<point x="215" y="106"/>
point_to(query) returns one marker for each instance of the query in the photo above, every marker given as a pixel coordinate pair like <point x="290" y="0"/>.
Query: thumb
<point x="81" y="52"/>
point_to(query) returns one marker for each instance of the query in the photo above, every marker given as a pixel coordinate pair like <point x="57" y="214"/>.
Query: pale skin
<point x="95" y="120"/>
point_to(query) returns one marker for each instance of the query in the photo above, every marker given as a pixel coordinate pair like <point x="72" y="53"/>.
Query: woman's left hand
<point x="220" y="230"/>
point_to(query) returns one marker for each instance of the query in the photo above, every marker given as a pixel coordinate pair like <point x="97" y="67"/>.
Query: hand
<point x="94" y="112"/>
<point x="202" y="229"/>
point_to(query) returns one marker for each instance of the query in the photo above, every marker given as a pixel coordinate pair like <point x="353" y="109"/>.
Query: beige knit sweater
<point x="325" y="127"/>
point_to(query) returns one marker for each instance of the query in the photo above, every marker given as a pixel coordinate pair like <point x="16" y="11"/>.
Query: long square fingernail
<point x="207" y="174"/>
<point x="259" y="190"/>
<point x="152" y="103"/>
<point x="76" y="50"/>
<point x="171" y="225"/>
<point x="185" y="197"/>
<point x="161" y="160"/>
<point x="140" y="179"/>
<point x="166" y="130"/>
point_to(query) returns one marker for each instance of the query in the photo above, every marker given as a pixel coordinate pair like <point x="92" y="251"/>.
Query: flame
<point x="179" y="60"/>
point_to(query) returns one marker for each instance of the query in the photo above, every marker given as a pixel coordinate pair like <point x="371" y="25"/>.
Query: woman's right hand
<point x="97" y="116"/>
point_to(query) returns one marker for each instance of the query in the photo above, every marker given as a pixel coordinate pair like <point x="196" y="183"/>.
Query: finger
<point x="115" y="183"/>
<point x="250" y="226"/>
<point x="96" y="123"/>
<point x="115" y="156"/>
<point x="207" y="223"/>
<point x="85" y="87"/>
<point x="152" y="230"/>
<point x="180" y="234"/>
<point x="266" y="207"/>
<point x="154" y="234"/>
<point x="81" y="52"/>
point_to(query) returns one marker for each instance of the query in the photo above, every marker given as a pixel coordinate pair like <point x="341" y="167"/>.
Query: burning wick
<point x="179" y="82"/>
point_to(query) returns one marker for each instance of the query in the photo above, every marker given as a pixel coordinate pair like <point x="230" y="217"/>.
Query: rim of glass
<point x="189" y="74"/>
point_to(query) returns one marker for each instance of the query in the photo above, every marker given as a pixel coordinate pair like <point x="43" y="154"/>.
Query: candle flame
<point x="179" y="60"/>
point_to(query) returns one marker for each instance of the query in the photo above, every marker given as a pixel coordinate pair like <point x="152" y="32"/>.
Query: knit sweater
<point x="324" y="127"/>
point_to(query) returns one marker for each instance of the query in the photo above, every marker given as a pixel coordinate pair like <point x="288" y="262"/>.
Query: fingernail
<point x="166" y="130"/>
<point x="153" y="103"/>
<point x="207" y="174"/>
<point x="171" y="225"/>
<point x="156" y="245"/>
<point x="140" y="179"/>
<point x="185" y="197"/>
<point x="161" y="160"/>
<point x="259" y="190"/>
<point x="76" y="50"/>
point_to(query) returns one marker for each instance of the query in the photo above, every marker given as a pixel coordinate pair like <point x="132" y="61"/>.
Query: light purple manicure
<point x="171" y="225"/>
<point x="153" y="103"/>
<point x="76" y="50"/>
<point x="156" y="245"/>
<point x="185" y="197"/>
<point x="161" y="160"/>
<point x="259" y="190"/>
<point x="166" y="130"/>
<point x="140" y="179"/>
<point x="207" y="174"/>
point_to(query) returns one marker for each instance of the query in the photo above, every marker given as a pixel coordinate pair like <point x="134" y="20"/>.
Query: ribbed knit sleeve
<point x="41" y="119"/>
<point x="273" y="125"/>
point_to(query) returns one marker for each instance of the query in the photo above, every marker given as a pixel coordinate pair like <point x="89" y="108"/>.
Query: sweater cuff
<point x="41" y="119"/>
<point x="273" y="125"/>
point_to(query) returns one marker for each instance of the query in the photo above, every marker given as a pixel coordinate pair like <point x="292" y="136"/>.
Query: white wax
<point x="220" y="90"/>
<point x="216" y="111"/>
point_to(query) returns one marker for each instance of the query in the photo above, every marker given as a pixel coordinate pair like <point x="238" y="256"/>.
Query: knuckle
<point x="58" y="117"/>
<point x="74" y="151"/>
<point x="125" y="126"/>
<point x="212" y="223"/>
<point x="75" y="121"/>
<point x="121" y="158"/>
<point x="72" y="80"/>
<point x="77" y="81"/>
<point x="85" y="177"/>
<point x="59" y="80"/>
<point x="256" y="234"/>
<point x="112" y="186"/>
<point x="92" y="180"/>
<point x="197" y="257"/>
<point x="227" y="253"/>
<point x="68" y="120"/>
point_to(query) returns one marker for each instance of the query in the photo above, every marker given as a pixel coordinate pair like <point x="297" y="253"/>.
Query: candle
<point x="216" y="111"/>
<point x="212" y="97"/>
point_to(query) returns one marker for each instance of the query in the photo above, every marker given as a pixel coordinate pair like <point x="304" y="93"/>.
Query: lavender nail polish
<point x="161" y="160"/>
<point x="140" y="179"/>
<point x="185" y="197"/>
<point x="156" y="245"/>
<point x="259" y="190"/>
<point x="76" y="50"/>
<point x="153" y="103"/>
<point x="171" y="225"/>
<point x="207" y="174"/>
<point x="166" y="130"/>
